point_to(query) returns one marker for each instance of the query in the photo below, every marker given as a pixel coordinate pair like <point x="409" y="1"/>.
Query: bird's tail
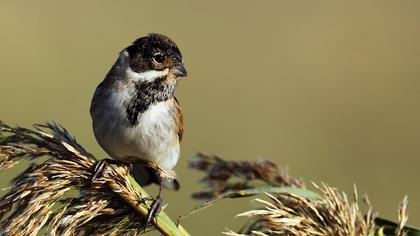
<point x="145" y="175"/>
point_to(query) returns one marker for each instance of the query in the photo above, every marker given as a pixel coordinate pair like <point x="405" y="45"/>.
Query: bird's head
<point x="154" y="56"/>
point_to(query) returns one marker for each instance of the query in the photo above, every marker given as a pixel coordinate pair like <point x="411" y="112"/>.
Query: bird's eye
<point x="158" y="58"/>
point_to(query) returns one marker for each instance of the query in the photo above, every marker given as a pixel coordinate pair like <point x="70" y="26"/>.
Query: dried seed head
<point x="32" y="200"/>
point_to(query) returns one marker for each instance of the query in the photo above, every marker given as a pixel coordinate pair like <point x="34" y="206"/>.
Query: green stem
<point x="162" y="222"/>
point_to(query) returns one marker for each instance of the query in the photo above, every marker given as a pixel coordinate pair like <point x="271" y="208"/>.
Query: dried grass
<point x="223" y="176"/>
<point x="37" y="197"/>
<point x="332" y="214"/>
<point x="291" y="212"/>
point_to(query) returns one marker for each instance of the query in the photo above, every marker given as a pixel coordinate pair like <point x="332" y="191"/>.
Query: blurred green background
<point x="330" y="89"/>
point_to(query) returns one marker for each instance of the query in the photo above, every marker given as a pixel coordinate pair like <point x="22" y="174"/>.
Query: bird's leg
<point x="157" y="203"/>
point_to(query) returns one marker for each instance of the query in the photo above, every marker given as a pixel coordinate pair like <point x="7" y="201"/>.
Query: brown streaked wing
<point x="179" y="119"/>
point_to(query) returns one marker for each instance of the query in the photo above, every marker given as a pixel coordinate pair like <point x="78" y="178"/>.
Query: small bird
<point x="135" y="115"/>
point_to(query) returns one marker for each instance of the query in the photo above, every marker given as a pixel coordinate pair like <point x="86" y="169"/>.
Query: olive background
<point x="329" y="89"/>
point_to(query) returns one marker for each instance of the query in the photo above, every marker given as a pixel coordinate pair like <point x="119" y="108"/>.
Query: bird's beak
<point x="178" y="70"/>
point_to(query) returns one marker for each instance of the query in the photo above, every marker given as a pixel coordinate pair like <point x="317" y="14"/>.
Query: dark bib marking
<point x="148" y="93"/>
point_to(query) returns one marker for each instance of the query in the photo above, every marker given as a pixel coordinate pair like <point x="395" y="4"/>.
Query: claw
<point x="99" y="169"/>
<point x="154" y="209"/>
<point x="146" y="199"/>
<point x="156" y="205"/>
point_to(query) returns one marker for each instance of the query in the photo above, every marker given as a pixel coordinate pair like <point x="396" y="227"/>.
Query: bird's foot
<point x="145" y="200"/>
<point x="154" y="209"/>
<point x="100" y="168"/>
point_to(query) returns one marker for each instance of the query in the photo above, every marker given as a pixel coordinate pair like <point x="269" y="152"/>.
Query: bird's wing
<point x="179" y="119"/>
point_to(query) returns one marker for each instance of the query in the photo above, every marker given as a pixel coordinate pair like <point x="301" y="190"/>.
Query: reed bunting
<point x="136" y="117"/>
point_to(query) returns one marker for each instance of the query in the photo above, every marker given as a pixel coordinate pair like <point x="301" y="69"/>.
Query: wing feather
<point x="179" y="119"/>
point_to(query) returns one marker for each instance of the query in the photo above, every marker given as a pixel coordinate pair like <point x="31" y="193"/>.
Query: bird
<point x="136" y="118"/>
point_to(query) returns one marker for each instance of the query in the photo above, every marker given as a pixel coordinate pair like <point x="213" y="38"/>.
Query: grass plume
<point x="289" y="214"/>
<point x="290" y="209"/>
<point x="222" y="176"/>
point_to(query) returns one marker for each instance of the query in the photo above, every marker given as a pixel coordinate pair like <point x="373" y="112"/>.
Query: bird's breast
<point x="154" y="136"/>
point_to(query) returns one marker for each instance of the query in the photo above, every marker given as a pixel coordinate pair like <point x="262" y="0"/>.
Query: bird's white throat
<point x="146" y="76"/>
